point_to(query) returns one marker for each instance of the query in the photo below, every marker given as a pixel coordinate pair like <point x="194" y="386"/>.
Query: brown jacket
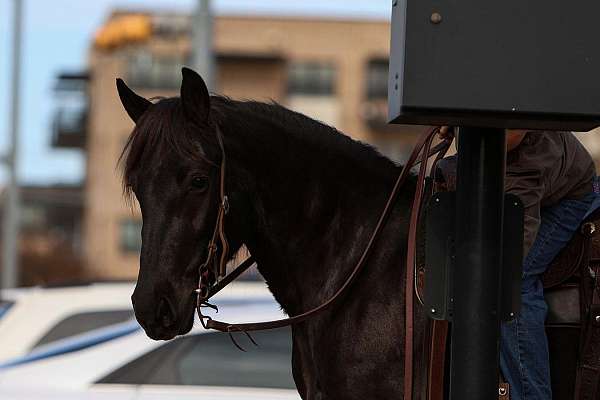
<point x="544" y="169"/>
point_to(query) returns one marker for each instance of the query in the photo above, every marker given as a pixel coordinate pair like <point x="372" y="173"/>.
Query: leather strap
<point x="440" y="149"/>
<point x="588" y="368"/>
<point x="413" y="281"/>
<point x="223" y="208"/>
<point x="210" y="271"/>
<point x="588" y="372"/>
<point x="437" y="360"/>
<point x="409" y="292"/>
<point x="233" y="275"/>
<point x="587" y="382"/>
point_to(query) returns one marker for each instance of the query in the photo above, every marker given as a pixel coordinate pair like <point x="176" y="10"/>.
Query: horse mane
<point x="164" y="127"/>
<point x="305" y="129"/>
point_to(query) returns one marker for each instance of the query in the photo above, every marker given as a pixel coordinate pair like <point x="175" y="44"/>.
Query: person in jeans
<point x="554" y="176"/>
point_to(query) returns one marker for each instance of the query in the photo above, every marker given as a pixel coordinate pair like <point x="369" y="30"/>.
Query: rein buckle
<point x="202" y="293"/>
<point x="205" y="282"/>
<point x="225" y="205"/>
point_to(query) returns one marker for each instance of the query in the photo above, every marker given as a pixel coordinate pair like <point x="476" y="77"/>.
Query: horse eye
<point x="199" y="183"/>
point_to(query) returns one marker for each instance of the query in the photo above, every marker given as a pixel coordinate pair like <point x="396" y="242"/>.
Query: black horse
<point x="304" y="199"/>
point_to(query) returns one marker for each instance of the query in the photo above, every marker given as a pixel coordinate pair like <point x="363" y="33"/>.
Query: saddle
<point x="572" y="292"/>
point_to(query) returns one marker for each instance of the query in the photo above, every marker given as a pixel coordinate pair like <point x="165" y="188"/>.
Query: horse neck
<point x="311" y="210"/>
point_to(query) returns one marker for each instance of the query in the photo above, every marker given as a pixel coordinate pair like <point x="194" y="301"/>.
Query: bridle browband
<point x="213" y="277"/>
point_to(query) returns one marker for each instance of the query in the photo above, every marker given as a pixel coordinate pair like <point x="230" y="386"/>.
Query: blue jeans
<point x="524" y="358"/>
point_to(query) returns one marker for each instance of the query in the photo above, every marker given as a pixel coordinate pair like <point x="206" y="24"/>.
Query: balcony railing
<point x="69" y="128"/>
<point x="69" y="124"/>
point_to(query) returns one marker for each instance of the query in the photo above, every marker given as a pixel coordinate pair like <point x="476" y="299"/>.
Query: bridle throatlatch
<point x="213" y="277"/>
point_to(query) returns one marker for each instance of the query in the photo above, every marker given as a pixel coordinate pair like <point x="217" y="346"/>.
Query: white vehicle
<point x="33" y="317"/>
<point x="200" y="365"/>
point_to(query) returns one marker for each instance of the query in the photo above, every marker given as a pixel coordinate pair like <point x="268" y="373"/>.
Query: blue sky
<point x="56" y="38"/>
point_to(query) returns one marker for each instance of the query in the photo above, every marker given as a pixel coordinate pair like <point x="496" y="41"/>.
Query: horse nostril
<point x="164" y="313"/>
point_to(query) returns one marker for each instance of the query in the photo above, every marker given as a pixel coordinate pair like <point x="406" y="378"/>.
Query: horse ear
<point x="134" y="104"/>
<point x="194" y="96"/>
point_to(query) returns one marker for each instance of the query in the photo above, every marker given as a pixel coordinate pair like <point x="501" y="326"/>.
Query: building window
<point x="311" y="78"/>
<point x="151" y="71"/>
<point x="377" y="78"/>
<point x="71" y="111"/>
<point x="374" y="105"/>
<point x="33" y="216"/>
<point x="131" y="236"/>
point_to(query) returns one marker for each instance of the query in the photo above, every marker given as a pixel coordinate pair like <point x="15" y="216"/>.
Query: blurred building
<point x="333" y="70"/>
<point x="50" y="245"/>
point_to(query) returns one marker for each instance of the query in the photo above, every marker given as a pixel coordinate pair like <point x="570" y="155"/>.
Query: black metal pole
<point x="476" y="280"/>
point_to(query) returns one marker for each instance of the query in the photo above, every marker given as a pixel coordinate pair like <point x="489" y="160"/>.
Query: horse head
<point x="168" y="167"/>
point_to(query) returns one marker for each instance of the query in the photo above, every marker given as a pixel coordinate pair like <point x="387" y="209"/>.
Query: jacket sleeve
<point x="529" y="187"/>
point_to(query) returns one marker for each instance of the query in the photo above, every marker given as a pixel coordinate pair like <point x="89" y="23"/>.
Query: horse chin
<point x="188" y="323"/>
<point x="184" y="328"/>
<point x="160" y="335"/>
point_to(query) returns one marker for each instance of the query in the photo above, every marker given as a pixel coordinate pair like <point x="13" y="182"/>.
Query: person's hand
<point x="514" y="137"/>
<point x="446" y="133"/>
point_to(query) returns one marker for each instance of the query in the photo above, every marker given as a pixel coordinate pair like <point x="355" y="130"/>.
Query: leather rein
<point x="213" y="277"/>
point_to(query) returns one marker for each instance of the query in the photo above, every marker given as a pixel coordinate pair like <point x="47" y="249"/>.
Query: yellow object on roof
<point x="122" y="30"/>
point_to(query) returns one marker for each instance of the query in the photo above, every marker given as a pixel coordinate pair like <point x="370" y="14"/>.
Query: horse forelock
<point x="163" y="128"/>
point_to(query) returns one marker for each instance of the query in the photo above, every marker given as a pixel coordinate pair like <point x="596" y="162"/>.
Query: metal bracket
<point x="440" y="256"/>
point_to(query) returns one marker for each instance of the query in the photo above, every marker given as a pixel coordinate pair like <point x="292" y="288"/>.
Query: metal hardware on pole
<point x="477" y="277"/>
<point x="202" y="43"/>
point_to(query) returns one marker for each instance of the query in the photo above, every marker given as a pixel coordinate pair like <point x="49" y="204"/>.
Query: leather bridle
<point x="213" y="272"/>
<point x="213" y="277"/>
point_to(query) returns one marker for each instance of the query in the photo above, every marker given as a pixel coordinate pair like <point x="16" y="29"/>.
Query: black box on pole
<point x="504" y="64"/>
<point x="440" y="253"/>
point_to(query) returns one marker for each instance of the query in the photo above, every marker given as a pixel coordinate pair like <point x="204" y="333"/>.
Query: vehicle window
<point x="83" y="322"/>
<point x="214" y="360"/>
<point x="211" y="359"/>
<point x="4" y="306"/>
